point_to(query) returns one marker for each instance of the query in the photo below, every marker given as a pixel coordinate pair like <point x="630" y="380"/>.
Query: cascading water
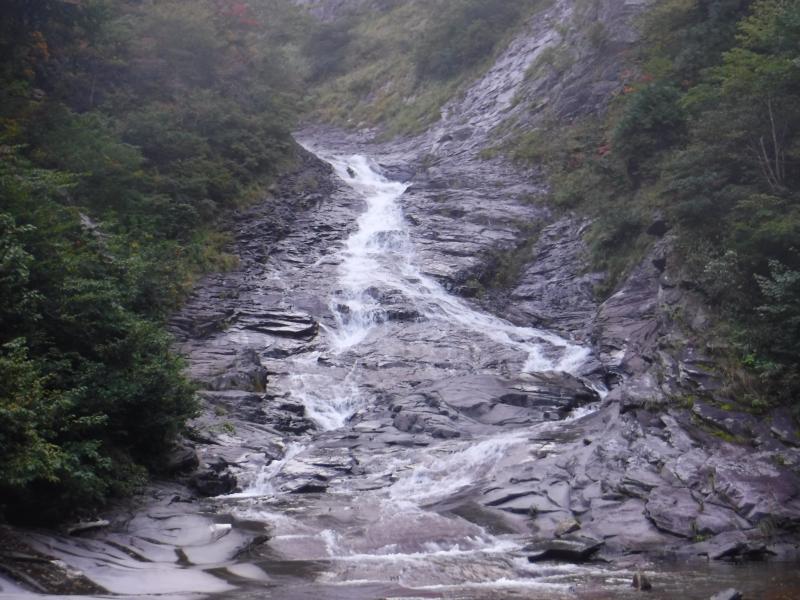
<point x="373" y="255"/>
<point x="380" y="256"/>
<point x="386" y="523"/>
<point x="367" y="505"/>
<point x="377" y="257"/>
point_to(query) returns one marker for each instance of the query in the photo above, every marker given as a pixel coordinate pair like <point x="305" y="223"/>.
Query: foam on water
<point x="330" y="404"/>
<point x="380" y="256"/>
<point x="262" y="483"/>
<point x="437" y="476"/>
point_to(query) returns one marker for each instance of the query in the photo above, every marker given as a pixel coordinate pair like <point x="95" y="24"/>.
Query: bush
<point x="126" y="130"/>
<point x="89" y="388"/>
<point x="652" y="121"/>
<point x="465" y="37"/>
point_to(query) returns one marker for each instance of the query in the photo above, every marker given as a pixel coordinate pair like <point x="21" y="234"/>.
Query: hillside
<point x="400" y="298"/>
<point x="128" y="134"/>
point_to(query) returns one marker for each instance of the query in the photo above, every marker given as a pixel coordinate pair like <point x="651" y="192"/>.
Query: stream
<point x="388" y="525"/>
<point x="425" y="412"/>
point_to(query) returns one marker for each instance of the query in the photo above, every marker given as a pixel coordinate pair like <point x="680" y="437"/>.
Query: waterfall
<point x="380" y="256"/>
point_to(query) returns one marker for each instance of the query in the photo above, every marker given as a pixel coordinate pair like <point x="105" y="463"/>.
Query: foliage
<point x="467" y="37"/>
<point x="397" y="63"/>
<point x="708" y="136"/>
<point x="127" y="130"/>
<point x="651" y="121"/>
<point x="781" y="327"/>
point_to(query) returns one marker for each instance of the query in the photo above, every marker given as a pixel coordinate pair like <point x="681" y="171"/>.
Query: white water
<point x="328" y="403"/>
<point x="436" y="477"/>
<point x="380" y="256"/>
<point x="398" y="535"/>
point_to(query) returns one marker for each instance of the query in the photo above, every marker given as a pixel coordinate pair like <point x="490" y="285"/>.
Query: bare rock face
<point x="245" y="373"/>
<point x="556" y="288"/>
<point x="214" y="480"/>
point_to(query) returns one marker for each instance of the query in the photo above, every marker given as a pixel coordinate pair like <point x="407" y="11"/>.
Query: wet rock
<point x="293" y="407"/>
<point x="251" y="548"/>
<point x="639" y="392"/>
<point x="571" y="548"/>
<point x="642" y="582"/>
<point x="566" y="527"/>
<point x="729" y="594"/>
<point x="201" y="322"/>
<point x="557" y="288"/>
<point x="627" y="325"/>
<point x="731" y="546"/>
<point x="674" y="510"/>
<point x="182" y="459"/>
<point x="287" y="421"/>
<point x="38" y="571"/>
<point x="498" y="401"/>
<point x="279" y="323"/>
<point x="246" y="373"/>
<point x="84" y="526"/>
<point x="305" y="486"/>
<point x="337" y="459"/>
<point x="436" y="425"/>
<point x="213" y="481"/>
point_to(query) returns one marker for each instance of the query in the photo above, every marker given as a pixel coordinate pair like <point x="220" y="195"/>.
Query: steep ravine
<point x="368" y="433"/>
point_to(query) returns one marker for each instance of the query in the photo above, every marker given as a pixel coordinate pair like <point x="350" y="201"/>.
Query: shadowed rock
<point x="569" y="548"/>
<point x="279" y="323"/>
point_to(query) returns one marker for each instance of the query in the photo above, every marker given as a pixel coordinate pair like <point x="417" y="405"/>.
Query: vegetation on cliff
<point x="395" y="64"/>
<point x="126" y="130"/>
<point x="708" y="136"/>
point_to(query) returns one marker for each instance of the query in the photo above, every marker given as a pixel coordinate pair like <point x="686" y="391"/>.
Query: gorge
<point x="378" y="420"/>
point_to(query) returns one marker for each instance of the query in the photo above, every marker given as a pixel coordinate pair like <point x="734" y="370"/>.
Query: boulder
<point x="215" y="480"/>
<point x="731" y="546"/>
<point x="245" y="373"/>
<point x="182" y="459"/>
<point x="569" y="548"/>
<point x="673" y="510"/>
